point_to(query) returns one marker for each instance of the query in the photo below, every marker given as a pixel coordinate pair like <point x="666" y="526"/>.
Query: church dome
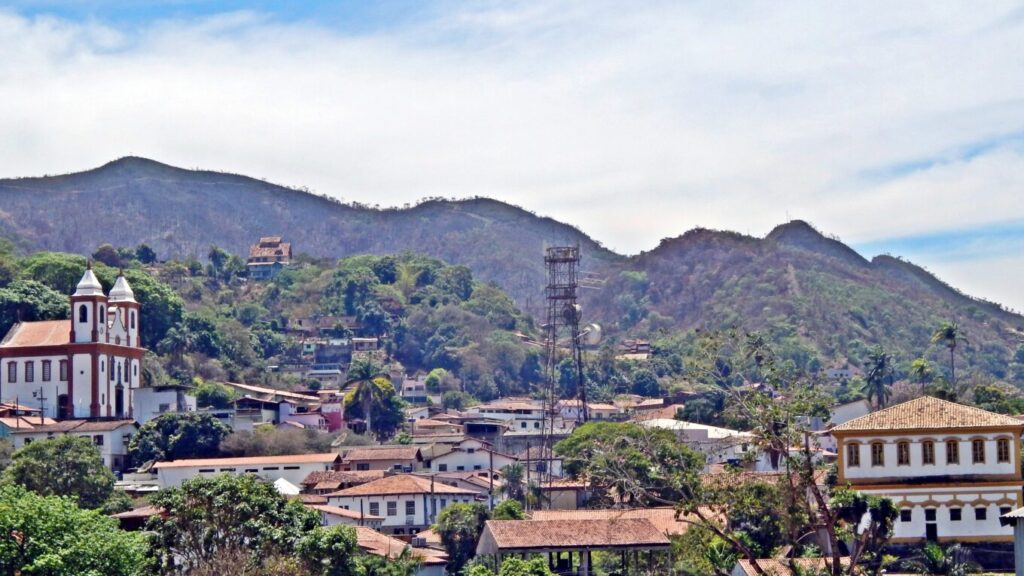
<point x="122" y="292"/>
<point x="89" y="285"/>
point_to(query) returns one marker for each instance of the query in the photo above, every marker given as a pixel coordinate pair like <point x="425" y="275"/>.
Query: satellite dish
<point x="592" y="335"/>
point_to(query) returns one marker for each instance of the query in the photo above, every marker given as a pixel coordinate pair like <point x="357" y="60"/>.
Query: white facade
<point x="151" y="402"/>
<point x="110" y="438"/>
<point x="403" y="513"/>
<point x="84" y="367"/>
<point x="952" y="470"/>
<point x="468" y="459"/>
<point x="294" y="469"/>
<point x="719" y="445"/>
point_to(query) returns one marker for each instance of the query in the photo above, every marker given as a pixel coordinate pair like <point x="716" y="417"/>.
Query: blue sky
<point x="898" y="127"/>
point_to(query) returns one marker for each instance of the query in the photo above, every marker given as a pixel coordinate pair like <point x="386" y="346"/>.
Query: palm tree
<point x="366" y="393"/>
<point x="512" y="481"/>
<point x="949" y="334"/>
<point x="954" y="560"/>
<point x="177" y="341"/>
<point x="878" y="376"/>
<point x="921" y="371"/>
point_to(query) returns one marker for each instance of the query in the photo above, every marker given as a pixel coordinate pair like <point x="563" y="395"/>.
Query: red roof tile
<point x="42" y="333"/>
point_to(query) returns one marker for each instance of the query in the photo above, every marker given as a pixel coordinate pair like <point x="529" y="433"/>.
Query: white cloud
<point x="633" y="121"/>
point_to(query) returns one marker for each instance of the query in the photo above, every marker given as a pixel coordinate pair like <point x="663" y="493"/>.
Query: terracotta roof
<point x="382" y="545"/>
<point x="508" y="405"/>
<point x="401" y="484"/>
<point x="288" y="459"/>
<point x="382" y="453"/>
<point x="927" y="413"/>
<point x="663" y="518"/>
<point x="42" y="333"/>
<point x="508" y="535"/>
<point x="309" y="499"/>
<point x="336" y="477"/>
<point x="66" y="426"/>
<point x="343" y="512"/>
<point x="25" y="422"/>
<point x="143" y="512"/>
<point x="271" y="247"/>
<point x="243" y="388"/>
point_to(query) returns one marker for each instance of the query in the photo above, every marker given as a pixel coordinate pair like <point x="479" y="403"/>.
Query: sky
<point x="896" y="126"/>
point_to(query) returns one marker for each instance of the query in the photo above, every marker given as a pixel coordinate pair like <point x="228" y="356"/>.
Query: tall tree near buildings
<point x="177" y="435"/>
<point x="63" y="466"/>
<point x="460" y="526"/>
<point x="950" y="335"/>
<point x="878" y="376"/>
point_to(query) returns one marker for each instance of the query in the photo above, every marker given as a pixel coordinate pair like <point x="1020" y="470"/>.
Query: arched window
<point x="877" y="454"/>
<point x="83" y="313"/>
<point x="853" y="455"/>
<point x="928" y="452"/>
<point x="1003" y="450"/>
<point x="133" y="319"/>
<point x="978" y="451"/>
<point x="103" y="314"/>
<point x="903" y="453"/>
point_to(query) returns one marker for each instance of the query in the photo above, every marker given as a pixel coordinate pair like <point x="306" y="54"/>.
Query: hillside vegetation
<point x="821" y="303"/>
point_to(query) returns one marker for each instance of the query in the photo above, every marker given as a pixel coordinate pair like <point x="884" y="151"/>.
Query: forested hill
<point x="819" y="298"/>
<point x="181" y="213"/>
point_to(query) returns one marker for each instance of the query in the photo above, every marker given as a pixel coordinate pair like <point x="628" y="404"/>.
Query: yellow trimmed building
<point x="951" y="469"/>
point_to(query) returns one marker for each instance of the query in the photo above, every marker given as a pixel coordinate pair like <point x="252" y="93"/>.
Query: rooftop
<point x="928" y="413"/>
<point x="78" y="426"/>
<point x="380" y="453"/>
<point x="512" y="535"/>
<point x="663" y="518"/>
<point x="401" y="484"/>
<point x="288" y="459"/>
<point x="344" y="512"/>
<point x="382" y="545"/>
<point x="42" y="333"/>
<point x="680" y="425"/>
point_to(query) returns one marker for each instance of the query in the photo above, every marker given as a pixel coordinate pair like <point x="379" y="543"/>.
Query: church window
<point x="853" y="455"/>
<point x="952" y="452"/>
<point x="12" y="371"/>
<point x="103" y="365"/>
<point x="83" y="313"/>
<point x="903" y="454"/>
<point x="1003" y="450"/>
<point x="30" y="371"/>
<point x="133" y="319"/>
<point x="878" y="454"/>
<point x="928" y="452"/>
<point x="978" y="451"/>
<point x="103" y="315"/>
<point x="46" y="371"/>
<point x="63" y="370"/>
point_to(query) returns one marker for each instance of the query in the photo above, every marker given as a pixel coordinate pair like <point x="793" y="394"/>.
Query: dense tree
<point x="28" y="300"/>
<point x="513" y="566"/>
<point x="207" y="516"/>
<point x="213" y="395"/>
<point x="953" y="560"/>
<point x="52" y="536"/>
<point x="177" y="435"/>
<point x="329" y="551"/>
<point x="63" y="466"/>
<point x="459" y="526"/>
<point x="508" y="510"/>
<point x="145" y="254"/>
<point x="107" y="254"/>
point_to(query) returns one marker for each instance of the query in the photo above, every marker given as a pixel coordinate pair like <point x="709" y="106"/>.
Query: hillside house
<point x="110" y="437"/>
<point x="293" y="468"/>
<point x="394" y="457"/>
<point x="407" y="502"/>
<point x="268" y="257"/>
<point x="953" y="470"/>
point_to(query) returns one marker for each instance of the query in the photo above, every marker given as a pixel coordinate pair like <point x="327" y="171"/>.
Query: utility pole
<point x="42" y="405"/>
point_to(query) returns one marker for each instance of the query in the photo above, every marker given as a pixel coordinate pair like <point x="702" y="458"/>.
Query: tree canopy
<point x="63" y="466"/>
<point x="178" y="435"/>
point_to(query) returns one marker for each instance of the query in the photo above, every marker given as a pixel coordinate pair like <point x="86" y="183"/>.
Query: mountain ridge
<point x="811" y="288"/>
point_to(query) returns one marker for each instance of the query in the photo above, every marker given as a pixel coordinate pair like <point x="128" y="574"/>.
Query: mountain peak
<point x="801" y="234"/>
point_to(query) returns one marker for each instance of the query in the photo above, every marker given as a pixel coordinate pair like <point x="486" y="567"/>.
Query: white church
<point x="84" y="367"/>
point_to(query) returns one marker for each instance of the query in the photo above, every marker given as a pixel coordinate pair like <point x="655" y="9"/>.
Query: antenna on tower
<point x="563" y="315"/>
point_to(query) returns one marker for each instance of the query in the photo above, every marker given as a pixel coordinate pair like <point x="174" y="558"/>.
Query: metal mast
<point x="563" y="315"/>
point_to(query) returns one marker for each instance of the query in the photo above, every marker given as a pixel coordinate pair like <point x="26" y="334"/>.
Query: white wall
<point x="148" y="402"/>
<point x="917" y="468"/>
<point x="423" y="503"/>
<point x="942" y="500"/>
<point x="292" y="472"/>
<point x="478" y="460"/>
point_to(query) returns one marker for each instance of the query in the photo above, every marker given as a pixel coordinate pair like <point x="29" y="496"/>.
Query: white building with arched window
<point x="85" y="367"/>
<point x="951" y="469"/>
